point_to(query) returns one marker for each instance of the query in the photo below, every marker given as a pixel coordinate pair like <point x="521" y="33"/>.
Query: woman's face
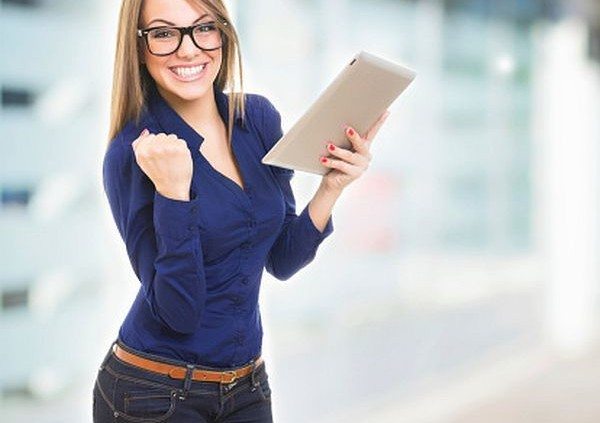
<point x="176" y="75"/>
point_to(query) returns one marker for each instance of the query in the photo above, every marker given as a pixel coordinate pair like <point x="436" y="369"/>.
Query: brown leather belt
<point x="179" y="372"/>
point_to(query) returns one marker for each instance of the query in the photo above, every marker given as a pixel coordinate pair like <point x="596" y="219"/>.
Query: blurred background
<point x="469" y="293"/>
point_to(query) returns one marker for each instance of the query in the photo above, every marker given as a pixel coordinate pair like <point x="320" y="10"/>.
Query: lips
<point x="189" y="73"/>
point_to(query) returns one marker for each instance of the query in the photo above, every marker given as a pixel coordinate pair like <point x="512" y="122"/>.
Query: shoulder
<point x="131" y="130"/>
<point x="119" y="151"/>
<point x="268" y="125"/>
<point x="257" y="101"/>
<point x="265" y="118"/>
<point x="122" y="176"/>
<point x="260" y="109"/>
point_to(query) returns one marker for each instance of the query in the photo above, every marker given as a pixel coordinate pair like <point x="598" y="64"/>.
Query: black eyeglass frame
<point x="183" y="30"/>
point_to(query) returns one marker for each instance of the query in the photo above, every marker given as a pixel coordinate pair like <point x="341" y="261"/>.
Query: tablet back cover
<point x="359" y="94"/>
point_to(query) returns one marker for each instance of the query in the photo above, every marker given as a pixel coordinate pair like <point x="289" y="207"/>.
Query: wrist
<point x="329" y="191"/>
<point x="174" y="195"/>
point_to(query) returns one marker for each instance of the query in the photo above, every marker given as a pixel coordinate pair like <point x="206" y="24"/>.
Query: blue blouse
<point x="200" y="262"/>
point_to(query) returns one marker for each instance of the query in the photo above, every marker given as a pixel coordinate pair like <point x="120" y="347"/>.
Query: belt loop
<point x="108" y="354"/>
<point x="254" y="382"/>
<point x="187" y="381"/>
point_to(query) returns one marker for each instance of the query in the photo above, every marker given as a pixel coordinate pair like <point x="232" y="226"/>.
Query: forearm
<point x="321" y="206"/>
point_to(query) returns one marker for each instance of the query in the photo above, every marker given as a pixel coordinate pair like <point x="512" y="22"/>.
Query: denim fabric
<point x="126" y="393"/>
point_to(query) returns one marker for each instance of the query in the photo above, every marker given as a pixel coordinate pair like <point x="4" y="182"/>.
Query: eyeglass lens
<point x="165" y="40"/>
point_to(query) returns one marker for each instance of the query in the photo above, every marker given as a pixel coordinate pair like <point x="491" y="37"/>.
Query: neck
<point x="201" y="114"/>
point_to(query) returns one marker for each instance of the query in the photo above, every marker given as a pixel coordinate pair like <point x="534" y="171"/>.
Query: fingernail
<point x="323" y="160"/>
<point x="331" y="147"/>
<point x="350" y="131"/>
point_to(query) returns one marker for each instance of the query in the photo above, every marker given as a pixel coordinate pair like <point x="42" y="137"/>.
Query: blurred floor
<point x="566" y="392"/>
<point x="527" y="387"/>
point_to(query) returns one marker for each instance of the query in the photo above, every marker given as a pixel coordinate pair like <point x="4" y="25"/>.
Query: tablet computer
<point x="360" y="93"/>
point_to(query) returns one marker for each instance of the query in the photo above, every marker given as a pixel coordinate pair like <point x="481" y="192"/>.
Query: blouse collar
<point x="172" y="123"/>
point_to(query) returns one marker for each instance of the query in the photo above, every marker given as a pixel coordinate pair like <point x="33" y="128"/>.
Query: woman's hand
<point x="347" y="165"/>
<point x="167" y="161"/>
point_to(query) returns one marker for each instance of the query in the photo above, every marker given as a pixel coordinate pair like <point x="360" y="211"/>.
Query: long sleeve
<point x="162" y="241"/>
<point x="299" y="239"/>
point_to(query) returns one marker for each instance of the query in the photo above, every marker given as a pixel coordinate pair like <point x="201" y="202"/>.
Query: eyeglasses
<point x="165" y="40"/>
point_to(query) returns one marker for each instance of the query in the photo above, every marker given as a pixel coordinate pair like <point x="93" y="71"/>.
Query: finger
<point x="354" y="158"/>
<point x="375" y="128"/>
<point x="340" y="165"/>
<point x="141" y="136"/>
<point x="357" y="142"/>
<point x="172" y="137"/>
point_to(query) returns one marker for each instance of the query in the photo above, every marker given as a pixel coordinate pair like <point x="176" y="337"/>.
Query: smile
<point x="188" y="73"/>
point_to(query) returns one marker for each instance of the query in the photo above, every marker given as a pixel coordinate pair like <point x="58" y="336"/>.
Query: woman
<point x="201" y="217"/>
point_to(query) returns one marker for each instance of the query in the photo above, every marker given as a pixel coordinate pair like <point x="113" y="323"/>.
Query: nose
<point x="187" y="47"/>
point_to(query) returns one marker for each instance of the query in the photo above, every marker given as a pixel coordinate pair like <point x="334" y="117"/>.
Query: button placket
<point x="193" y="211"/>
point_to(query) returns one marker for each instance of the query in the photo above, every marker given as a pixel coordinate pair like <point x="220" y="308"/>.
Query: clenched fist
<point x="167" y="161"/>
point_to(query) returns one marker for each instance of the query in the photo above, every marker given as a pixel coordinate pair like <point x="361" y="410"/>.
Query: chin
<point x="187" y="91"/>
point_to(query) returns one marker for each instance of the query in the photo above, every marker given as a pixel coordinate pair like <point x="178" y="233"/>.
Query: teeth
<point x="188" y="71"/>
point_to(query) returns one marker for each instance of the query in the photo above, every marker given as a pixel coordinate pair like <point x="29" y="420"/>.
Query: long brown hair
<point x="132" y="82"/>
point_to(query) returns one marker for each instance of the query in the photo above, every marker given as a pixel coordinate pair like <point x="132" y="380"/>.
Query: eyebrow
<point x="171" y="23"/>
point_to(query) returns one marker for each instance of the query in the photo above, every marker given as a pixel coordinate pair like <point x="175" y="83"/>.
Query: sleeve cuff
<point x="175" y="218"/>
<point x="310" y="232"/>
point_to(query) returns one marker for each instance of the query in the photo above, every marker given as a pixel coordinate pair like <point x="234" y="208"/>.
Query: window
<point x="24" y="3"/>
<point x="14" y="298"/>
<point x="16" y="97"/>
<point x="15" y="197"/>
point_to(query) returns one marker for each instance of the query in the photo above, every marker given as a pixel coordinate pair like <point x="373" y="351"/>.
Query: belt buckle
<point x="229" y="373"/>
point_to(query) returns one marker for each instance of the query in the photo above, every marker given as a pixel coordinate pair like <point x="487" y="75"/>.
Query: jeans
<point x="127" y="393"/>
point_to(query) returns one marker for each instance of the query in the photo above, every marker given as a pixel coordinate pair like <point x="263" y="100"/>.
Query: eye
<point x="206" y="27"/>
<point x="163" y="33"/>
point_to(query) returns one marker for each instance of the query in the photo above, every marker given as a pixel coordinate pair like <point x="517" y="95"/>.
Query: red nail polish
<point x="350" y="131"/>
<point x="323" y="160"/>
<point x="331" y="147"/>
